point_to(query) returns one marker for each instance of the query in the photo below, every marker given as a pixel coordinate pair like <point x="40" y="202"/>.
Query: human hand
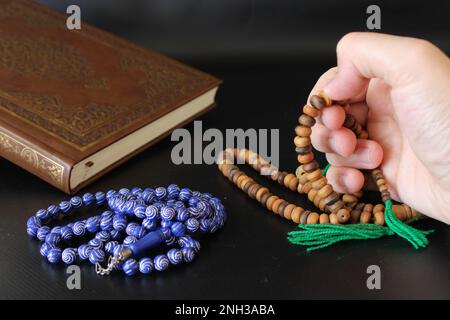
<point x="399" y="88"/>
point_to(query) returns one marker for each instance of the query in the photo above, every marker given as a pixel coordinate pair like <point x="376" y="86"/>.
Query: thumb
<point x="364" y="55"/>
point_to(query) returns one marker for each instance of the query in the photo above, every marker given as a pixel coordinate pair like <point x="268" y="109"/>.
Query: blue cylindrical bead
<point x="150" y="240"/>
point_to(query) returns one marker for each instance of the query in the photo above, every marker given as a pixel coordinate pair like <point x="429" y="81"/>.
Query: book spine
<point x="20" y="151"/>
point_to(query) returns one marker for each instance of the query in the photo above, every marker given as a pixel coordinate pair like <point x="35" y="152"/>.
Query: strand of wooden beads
<point x="308" y="179"/>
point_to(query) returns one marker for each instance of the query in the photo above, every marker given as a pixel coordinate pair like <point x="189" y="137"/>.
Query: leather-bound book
<point x="74" y="104"/>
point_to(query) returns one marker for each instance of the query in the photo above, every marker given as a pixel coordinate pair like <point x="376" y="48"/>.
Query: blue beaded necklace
<point x="144" y="219"/>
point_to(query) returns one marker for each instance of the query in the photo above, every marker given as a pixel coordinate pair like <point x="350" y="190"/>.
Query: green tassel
<point x="417" y="238"/>
<point x="325" y="170"/>
<point x="318" y="236"/>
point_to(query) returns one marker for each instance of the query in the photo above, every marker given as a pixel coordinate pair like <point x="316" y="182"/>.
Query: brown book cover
<point x="76" y="103"/>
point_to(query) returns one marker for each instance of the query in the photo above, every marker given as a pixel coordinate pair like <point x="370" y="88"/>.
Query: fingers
<point x="345" y="180"/>
<point x="363" y="56"/>
<point x="368" y="154"/>
<point x="333" y="117"/>
<point x="341" y="141"/>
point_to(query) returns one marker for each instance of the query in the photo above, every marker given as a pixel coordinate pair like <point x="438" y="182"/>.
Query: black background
<point x="269" y="54"/>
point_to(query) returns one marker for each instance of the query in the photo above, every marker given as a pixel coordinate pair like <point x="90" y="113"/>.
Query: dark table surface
<point x="250" y="257"/>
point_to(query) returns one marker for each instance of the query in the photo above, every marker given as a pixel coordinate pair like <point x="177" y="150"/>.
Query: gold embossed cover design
<point x="66" y="94"/>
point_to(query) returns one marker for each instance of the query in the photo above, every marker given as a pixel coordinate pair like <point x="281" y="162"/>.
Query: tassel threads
<point x="325" y="170"/>
<point x="319" y="236"/>
<point x="416" y="237"/>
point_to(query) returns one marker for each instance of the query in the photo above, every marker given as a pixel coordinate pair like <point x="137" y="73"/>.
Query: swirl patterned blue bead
<point x="42" y="233"/>
<point x="106" y="222"/>
<point x="185" y="194"/>
<point x="65" y="206"/>
<point x="110" y="193"/>
<point x="115" y="234"/>
<point x="160" y="193"/>
<point x="188" y="254"/>
<point x="96" y="256"/>
<point x="175" y="256"/>
<point x="109" y="246"/>
<point x="178" y="229"/>
<point x="161" y="262"/>
<point x="205" y="225"/>
<point x="192" y="225"/>
<point x="84" y="250"/>
<point x="138" y="232"/>
<point x="53" y="238"/>
<point x="119" y="222"/>
<point x="136" y="191"/>
<point x="53" y="211"/>
<point x="100" y="198"/>
<point x="103" y="236"/>
<point x="93" y="224"/>
<point x="54" y="255"/>
<point x="45" y="249"/>
<point x="152" y="212"/>
<point x="130" y="267"/>
<point x="56" y="230"/>
<point x="69" y="256"/>
<point x="79" y="228"/>
<point x="134" y="221"/>
<point x="41" y="215"/>
<point x="182" y="214"/>
<point x="173" y="191"/>
<point x="96" y="243"/>
<point x="139" y="211"/>
<point x="130" y="228"/>
<point x="167" y="213"/>
<point x="129" y="240"/>
<point x="88" y="199"/>
<point x="32" y="231"/>
<point x="76" y="202"/>
<point x="146" y="265"/>
<point x="67" y="233"/>
<point x="170" y="241"/>
<point x="148" y="195"/>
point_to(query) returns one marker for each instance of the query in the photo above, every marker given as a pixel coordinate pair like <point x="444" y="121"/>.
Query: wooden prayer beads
<point x="309" y="179"/>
